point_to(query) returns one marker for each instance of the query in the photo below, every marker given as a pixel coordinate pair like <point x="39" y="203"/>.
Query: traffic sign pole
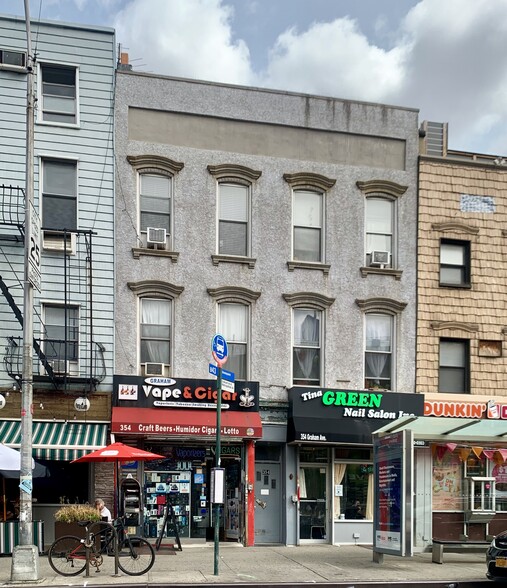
<point x="217" y="464"/>
<point x="219" y="351"/>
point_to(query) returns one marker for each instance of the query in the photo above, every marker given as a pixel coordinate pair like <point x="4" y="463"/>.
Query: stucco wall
<point x="283" y="116"/>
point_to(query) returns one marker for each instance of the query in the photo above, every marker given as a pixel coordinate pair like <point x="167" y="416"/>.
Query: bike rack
<point x="87" y="546"/>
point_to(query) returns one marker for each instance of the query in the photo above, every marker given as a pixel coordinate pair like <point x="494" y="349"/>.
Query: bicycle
<point x="67" y="555"/>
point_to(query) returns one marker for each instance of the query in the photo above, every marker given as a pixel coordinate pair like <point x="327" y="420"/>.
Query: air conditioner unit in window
<point x="154" y="369"/>
<point x="156" y="237"/>
<point x="60" y="367"/>
<point x="380" y="258"/>
<point x="52" y="241"/>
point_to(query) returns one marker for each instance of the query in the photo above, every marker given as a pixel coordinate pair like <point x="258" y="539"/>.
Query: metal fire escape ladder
<point x="17" y="313"/>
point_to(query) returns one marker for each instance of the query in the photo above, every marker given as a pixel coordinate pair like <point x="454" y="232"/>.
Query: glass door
<point x="312" y="502"/>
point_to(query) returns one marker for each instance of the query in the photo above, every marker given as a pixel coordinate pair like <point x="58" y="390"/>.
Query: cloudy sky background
<point x="448" y="58"/>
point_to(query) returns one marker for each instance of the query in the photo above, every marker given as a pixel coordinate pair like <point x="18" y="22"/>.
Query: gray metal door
<point x="268" y="496"/>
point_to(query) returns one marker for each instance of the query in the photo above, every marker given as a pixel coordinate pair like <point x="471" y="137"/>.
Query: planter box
<point x="62" y="529"/>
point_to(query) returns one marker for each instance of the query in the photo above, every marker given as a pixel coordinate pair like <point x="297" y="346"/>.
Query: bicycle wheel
<point x="135" y="556"/>
<point x="67" y="556"/>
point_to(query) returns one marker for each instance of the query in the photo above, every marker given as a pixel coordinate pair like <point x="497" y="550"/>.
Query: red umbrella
<point x="117" y="452"/>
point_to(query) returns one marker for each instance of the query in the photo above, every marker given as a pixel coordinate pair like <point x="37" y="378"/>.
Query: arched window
<point x="234" y="200"/>
<point x="234" y="307"/>
<point x="156" y="310"/>
<point x="380" y="318"/>
<point x="308" y="310"/>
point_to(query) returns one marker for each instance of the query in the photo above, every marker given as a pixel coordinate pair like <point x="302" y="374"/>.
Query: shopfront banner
<point x="345" y="416"/>
<point x="185" y="393"/>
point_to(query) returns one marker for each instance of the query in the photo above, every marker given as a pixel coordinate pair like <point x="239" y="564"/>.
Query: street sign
<point x="228" y="386"/>
<point x="34" y="274"/>
<point x="219" y="349"/>
<point x="213" y="370"/>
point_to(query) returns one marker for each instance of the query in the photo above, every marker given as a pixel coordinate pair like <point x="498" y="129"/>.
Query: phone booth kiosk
<point x="130" y="505"/>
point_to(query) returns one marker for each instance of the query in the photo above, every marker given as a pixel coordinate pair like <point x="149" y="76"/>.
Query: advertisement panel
<point x="393" y="457"/>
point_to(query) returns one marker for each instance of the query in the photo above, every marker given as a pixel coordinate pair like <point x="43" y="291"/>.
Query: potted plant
<point x="68" y="516"/>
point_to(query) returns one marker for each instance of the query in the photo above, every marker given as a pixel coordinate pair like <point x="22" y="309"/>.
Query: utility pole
<point x="25" y="557"/>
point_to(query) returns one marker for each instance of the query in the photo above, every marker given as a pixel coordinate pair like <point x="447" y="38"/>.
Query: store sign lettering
<point x="466" y="410"/>
<point x="198" y="394"/>
<point x="361" y="413"/>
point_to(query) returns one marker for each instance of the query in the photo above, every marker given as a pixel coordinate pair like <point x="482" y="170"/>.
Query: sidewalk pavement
<point x="274" y="564"/>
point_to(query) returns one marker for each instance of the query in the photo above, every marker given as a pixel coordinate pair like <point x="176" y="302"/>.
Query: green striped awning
<point x="57" y="440"/>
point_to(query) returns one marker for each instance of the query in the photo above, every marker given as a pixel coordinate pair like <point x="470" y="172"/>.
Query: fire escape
<point x="66" y="356"/>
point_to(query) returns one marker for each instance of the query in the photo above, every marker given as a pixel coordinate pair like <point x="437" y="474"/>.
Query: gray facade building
<point x="287" y="223"/>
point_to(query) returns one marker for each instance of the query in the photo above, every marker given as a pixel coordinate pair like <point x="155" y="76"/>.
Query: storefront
<point x="55" y="479"/>
<point x="333" y="431"/>
<point x="460" y="468"/>
<point x="177" y="418"/>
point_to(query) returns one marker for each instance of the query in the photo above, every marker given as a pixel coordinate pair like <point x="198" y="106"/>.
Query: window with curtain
<point x="454" y="366"/>
<point x="59" y="194"/>
<point x="155" y="331"/>
<point x="379" y="226"/>
<point x="155" y="201"/>
<point x="378" y="351"/>
<point x="233" y="219"/>
<point x="454" y="263"/>
<point x="308" y="225"/>
<point x="59" y="96"/>
<point x="233" y="325"/>
<point x="356" y="481"/>
<point x="306" y="356"/>
<point x="61" y="332"/>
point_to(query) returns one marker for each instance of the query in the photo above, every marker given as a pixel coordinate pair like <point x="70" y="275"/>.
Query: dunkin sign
<point x="465" y="410"/>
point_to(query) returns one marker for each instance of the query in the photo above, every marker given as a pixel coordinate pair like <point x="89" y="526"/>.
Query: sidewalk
<point x="303" y="564"/>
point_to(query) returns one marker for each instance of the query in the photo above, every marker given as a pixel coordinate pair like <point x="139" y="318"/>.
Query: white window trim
<point x="155" y="296"/>
<point x="55" y="157"/>
<point x="44" y="303"/>
<point x="394" y="234"/>
<point x="40" y="112"/>
<point x="248" y="330"/>
<point x="238" y="182"/>
<point x="394" y="327"/>
<point x="322" y="194"/>
<point x="170" y="177"/>
<point x="322" y="331"/>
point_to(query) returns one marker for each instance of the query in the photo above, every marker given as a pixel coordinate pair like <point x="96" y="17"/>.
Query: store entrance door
<point x="312" y="503"/>
<point x="267" y="503"/>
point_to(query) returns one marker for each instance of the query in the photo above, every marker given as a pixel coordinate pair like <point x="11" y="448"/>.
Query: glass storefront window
<point x="499" y="472"/>
<point x="353" y="490"/>
<point x="447" y="483"/>
<point x="313" y="454"/>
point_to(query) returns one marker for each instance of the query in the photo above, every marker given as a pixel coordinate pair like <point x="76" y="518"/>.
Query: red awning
<point x="185" y="423"/>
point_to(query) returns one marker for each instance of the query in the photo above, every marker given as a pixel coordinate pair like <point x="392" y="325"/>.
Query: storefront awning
<point x="185" y="423"/>
<point x="451" y="429"/>
<point x="57" y="440"/>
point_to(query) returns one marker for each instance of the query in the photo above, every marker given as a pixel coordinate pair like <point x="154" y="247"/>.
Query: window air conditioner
<point x="156" y="237"/>
<point x="60" y="367"/>
<point x="154" y="369"/>
<point x="380" y="258"/>
<point x="52" y="241"/>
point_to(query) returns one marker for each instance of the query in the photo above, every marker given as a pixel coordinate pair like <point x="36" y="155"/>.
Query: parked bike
<point x="67" y="555"/>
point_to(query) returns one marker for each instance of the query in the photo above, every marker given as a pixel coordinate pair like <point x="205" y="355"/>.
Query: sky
<point x="447" y="58"/>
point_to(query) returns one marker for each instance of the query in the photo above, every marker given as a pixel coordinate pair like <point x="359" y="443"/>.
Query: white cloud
<point x="190" y="38"/>
<point x="447" y="58"/>
<point x="334" y="59"/>
<point x="456" y="71"/>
